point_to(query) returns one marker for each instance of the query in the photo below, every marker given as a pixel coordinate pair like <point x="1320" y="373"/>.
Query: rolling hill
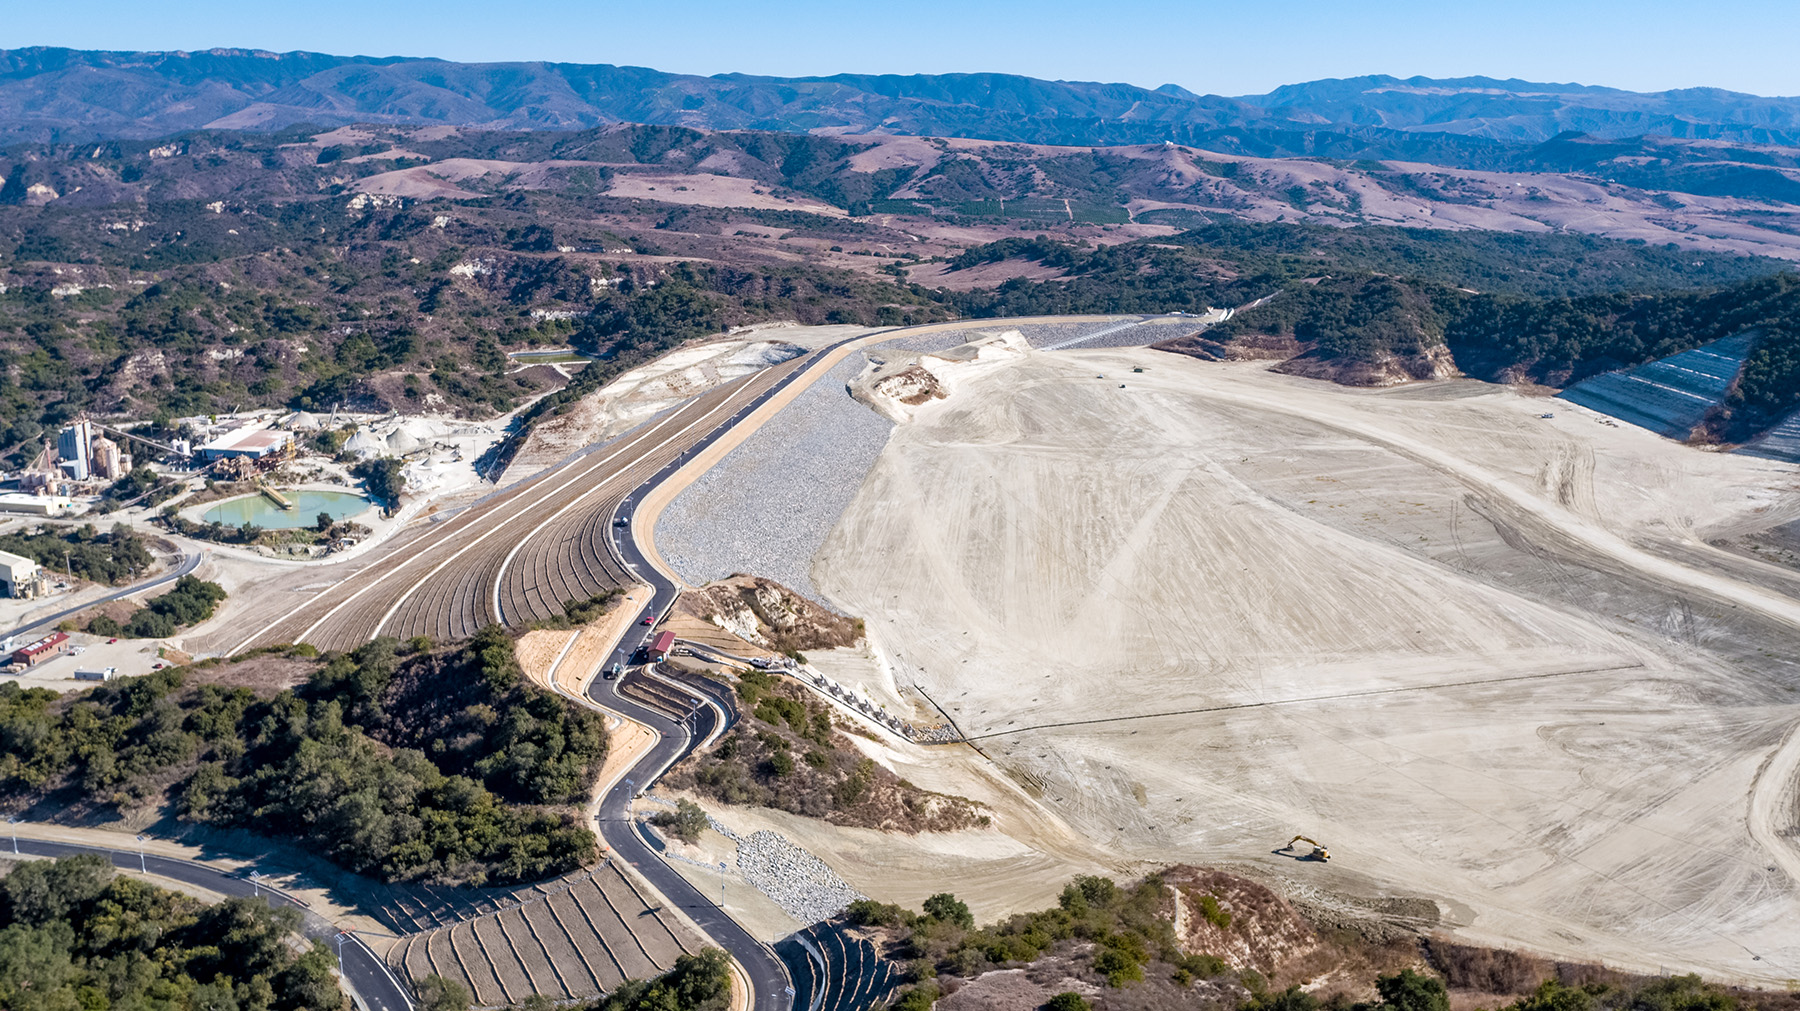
<point x="63" y="94"/>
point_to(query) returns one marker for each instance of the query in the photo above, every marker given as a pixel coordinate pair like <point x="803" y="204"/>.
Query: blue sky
<point x="1233" y="48"/>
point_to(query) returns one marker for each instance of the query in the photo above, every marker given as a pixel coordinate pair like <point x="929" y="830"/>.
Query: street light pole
<point x="142" y="869"/>
<point x="13" y="820"/>
<point x="256" y="883"/>
<point x="721" y="884"/>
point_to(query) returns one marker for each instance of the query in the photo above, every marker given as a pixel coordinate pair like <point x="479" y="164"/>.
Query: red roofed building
<point x="41" y="650"/>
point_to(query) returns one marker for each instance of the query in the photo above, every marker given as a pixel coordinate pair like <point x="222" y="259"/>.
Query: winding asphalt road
<point x="769" y="980"/>
<point x="188" y="564"/>
<point x="771" y="988"/>
<point x="363" y="970"/>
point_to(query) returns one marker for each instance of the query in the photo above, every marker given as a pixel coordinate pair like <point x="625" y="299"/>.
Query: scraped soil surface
<point x="1487" y="657"/>
<point x="648" y="390"/>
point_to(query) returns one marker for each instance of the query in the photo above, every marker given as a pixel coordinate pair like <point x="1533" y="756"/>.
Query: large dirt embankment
<point x="1198" y="609"/>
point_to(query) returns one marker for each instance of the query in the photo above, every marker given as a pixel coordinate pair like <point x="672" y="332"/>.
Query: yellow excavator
<point x="1319" y="853"/>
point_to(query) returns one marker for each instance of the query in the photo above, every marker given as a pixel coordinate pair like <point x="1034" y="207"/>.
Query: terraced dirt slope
<point x="1669" y="396"/>
<point x="513" y="557"/>
<point x="410" y="908"/>
<point x="577" y="940"/>
<point x="836" y="969"/>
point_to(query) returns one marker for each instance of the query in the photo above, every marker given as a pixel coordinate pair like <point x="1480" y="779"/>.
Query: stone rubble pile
<point x="800" y="883"/>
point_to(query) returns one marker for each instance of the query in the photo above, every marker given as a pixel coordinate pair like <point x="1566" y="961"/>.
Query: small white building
<point x="92" y="674"/>
<point x="36" y="505"/>
<point x="21" y="578"/>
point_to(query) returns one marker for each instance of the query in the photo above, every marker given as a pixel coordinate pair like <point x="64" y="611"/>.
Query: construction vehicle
<point x="1319" y="853"/>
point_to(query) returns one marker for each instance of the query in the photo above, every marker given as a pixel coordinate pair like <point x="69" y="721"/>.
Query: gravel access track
<point x="548" y="534"/>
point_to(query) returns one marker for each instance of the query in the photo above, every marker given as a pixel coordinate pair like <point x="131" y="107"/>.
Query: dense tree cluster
<point x="76" y="937"/>
<point x="441" y="766"/>
<point x="189" y="603"/>
<point x="383" y="477"/>
<point x="1125" y="926"/>
<point x="1569" y="339"/>
<point x="1123" y="937"/>
<point x="115" y="557"/>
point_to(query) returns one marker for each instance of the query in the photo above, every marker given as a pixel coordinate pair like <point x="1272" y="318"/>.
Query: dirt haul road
<point x="1486" y="656"/>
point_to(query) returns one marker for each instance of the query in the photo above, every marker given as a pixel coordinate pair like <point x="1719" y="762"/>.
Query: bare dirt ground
<point x="650" y="389"/>
<point x="1487" y="657"/>
<point x="986" y="275"/>
<point x="707" y="190"/>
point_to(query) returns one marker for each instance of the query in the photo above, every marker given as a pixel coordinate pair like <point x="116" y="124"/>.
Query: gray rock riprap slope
<point x="765" y="509"/>
<point x="767" y="506"/>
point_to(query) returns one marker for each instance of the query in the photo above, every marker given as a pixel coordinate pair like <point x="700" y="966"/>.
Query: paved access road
<point x="773" y="990"/>
<point x="366" y="974"/>
<point x="188" y="563"/>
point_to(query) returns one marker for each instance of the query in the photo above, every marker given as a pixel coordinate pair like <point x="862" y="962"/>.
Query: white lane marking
<point x="496" y="528"/>
<point x="505" y="564"/>
<point x="379" y="579"/>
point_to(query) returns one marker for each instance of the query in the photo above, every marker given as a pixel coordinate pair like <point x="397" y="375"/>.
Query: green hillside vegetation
<point x="115" y="557"/>
<point x="1246" y="260"/>
<point x="242" y="270"/>
<point x="286" y="301"/>
<point x="189" y="603"/>
<point x="437" y="765"/>
<point x="1120" y="939"/>
<point x="1556" y="309"/>
<point x="1127" y="927"/>
<point x="787" y="754"/>
<point x="75" y="936"/>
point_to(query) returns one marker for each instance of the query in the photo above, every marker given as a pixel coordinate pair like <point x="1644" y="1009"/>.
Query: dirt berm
<point x="768" y="614"/>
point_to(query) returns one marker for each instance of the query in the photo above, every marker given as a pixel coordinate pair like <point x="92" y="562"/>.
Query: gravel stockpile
<point x="800" y="883"/>
<point x="765" y="509"/>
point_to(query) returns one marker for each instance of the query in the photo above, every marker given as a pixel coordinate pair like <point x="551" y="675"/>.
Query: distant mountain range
<point x="63" y="95"/>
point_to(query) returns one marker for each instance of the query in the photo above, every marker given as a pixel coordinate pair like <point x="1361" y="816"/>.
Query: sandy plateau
<point x="1486" y="656"/>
